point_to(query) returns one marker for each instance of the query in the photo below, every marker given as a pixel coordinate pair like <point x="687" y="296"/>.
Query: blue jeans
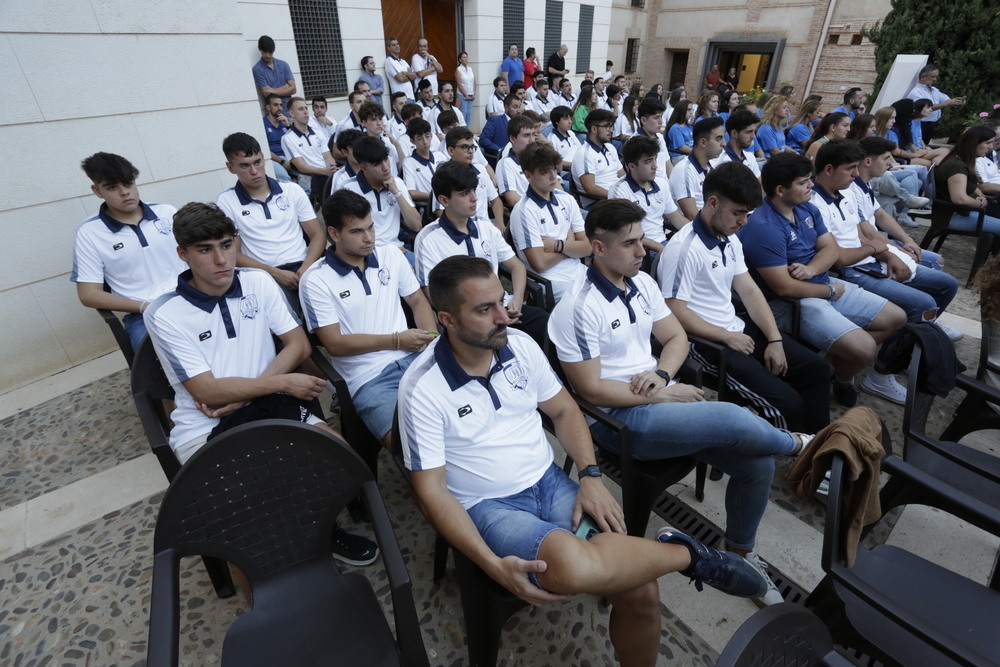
<point x="375" y="400"/>
<point x="465" y="106"/>
<point x="280" y="173"/>
<point x="967" y="223"/>
<point x="927" y="290"/>
<point x="135" y="327"/>
<point x="723" y="435"/>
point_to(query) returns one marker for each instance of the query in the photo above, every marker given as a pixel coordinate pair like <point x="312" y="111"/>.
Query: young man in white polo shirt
<point x="459" y="232"/>
<point x="563" y="137"/>
<point x="373" y="121"/>
<point x="649" y="115"/>
<point x="596" y="166"/>
<point x="385" y="192"/>
<point x="511" y="183"/>
<point x="685" y="182"/>
<point x="351" y="300"/>
<point x="318" y="120"/>
<point x="495" y="102"/>
<point x="270" y="217"/>
<point x="543" y="102"/>
<point x="446" y="102"/>
<point x="700" y="269"/>
<point x="398" y="72"/>
<point x="483" y="472"/>
<point x="601" y="330"/>
<point x="742" y="129"/>
<point x="345" y="144"/>
<point x="546" y="224"/>
<point x="645" y="187"/>
<point x="129" y="245"/>
<point x="306" y="149"/>
<point x="419" y="166"/>
<point x="460" y="145"/>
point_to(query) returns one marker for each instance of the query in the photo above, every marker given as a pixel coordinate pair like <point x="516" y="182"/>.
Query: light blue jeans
<point x="465" y="106"/>
<point x="967" y="223"/>
<point x="927" y="290"/>
<point x="135" y="327"/>
<point x="723" y="435"/>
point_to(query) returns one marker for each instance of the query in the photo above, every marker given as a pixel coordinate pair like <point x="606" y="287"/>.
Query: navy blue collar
<point x="556" y="132"/>
<point x="513" y="157"/>
<point x="497" y="95"/>
<point x="399" y="120"/>
<point x="365" y="185"/>
<point x="116" y="226"/>
<point x="427" y="106"/>
<point x="603" y="150"/>
<point x="350" y="172"/>
<point x="207" y="302"/>
<point x="863" y="185"/>
<point x="454" y="234"/>
<point x="697" y="165"/>
<point x="611" y="292"/>
<point x="427" y="162"/>
<point x="539" y="199"/>
<point x="826" y="196"/>
<point x="455" y="375"/>
<point x="710" y="240"/>
<point x="635" y="187"/>
<point x="343" y="268"/>
<point x="308" y="132"/>
<point x="245" y="198"/>
<point x="732" y="154"/>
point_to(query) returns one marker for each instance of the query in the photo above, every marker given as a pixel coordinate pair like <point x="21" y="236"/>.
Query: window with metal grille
<point x="639" y="4"/>
<point x="583" y="38"/>
<point x="316" y="27"/>
<point x="513" y="26"/>
<point x="553" y="29"/>
<point x="631" y="55"/>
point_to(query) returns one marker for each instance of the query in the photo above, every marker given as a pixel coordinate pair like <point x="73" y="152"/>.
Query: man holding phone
<point x="925" y="89"/>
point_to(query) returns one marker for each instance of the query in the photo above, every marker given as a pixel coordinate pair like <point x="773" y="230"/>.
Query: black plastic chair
<point x="118" y="331"/>
<point x="940" y="217"/>
<point x="265" y="496"/>
<point x="980" y="409"/>
<point x="782" y="634"/>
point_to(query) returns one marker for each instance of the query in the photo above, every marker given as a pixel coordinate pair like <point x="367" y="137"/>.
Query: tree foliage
<point x="960" y="37"/>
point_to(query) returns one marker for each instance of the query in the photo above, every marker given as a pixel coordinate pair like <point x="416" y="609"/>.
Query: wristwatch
<point x="590" y="471"/>
<point x="663" y="374"/>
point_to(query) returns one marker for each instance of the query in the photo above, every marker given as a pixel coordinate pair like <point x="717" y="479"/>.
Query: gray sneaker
<point x="773" y="595"/>
<point x="722" y="570"/>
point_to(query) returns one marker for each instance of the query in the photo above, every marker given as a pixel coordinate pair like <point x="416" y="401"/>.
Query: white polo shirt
<point x="656" y="202"/>
<point x="729" y="155"/>
<point x="362" y="302"/>
<point x="596" y="320"/>
<point x="394" y="66"/>
<point x="687" y="180"/>
<point x="540" y="106"/>
<point x="485" y="192"/>
<point x="603" y="163"/>
<point x="866" y="203"/>
<point x="624" y="126"/>
<point x="494" y="104"/>
<point x="535" y="218"/>
<point x="987" y="170"/>
<point x="310" y="147"/>
<point x="486" y="432"/>
<point x="340" y="177"/>
<point x="138" y="262"/>
<point x="510" y="175"/>
<point x="432" y="116"/>
<point x="567" y="146"/>
<point x="417" y="171"/>
<point x="840" y="215"/>
<point x="441" y="239"/>
<point x="385" y="209"/>
<point x="698" y="267"/>
<point x="419" y="62"/>
<point x="663" y="156"/>
<point x="270" y="230"/>
<point x="326" y="131"/>
<point x="395" y="126"/>
<point x="228" y="336"/>
<point x="349" y="123"/>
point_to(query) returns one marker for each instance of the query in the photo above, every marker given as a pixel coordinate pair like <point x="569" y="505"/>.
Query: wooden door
<point x="402" y="19"/>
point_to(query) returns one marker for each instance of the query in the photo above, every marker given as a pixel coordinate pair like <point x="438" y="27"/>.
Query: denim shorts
<point x="375" y="400"/>
<point x="822" y="323"/>
<point x="516" y="525"/>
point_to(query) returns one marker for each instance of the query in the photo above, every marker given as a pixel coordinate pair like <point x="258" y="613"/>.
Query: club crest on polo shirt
<point x="643" y="303"/>
<point x="809" y="221"/>
<point x="487" y="251"/>
<point x="249" y="307"/>
<point x="163" y="226"/>
<point x="281" y="201"/>
<point x="384" y="276"/>
<point x="515" y="375"/>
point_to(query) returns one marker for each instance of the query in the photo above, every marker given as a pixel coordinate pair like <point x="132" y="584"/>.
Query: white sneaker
<point x="917" y="202"/>
<point x="884" y="386"/>
<point x="905" y="220"/>
<point x="773" y="595"/>
<point x="953" y="334"/>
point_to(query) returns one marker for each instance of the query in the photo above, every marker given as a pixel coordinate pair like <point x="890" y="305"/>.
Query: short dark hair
<point x="850" y="93"/>
<point x="344" y="204"/>
<point x="452" y="177"/>
<point x="650" y="106"/>
<point x="875" y="146"/>
<point x="782" y="169"/>
<point x="559" y="112"/>
<point x="444" y="283"/>
<point x="516" y="86"/>
<point x="540" y="78"/>
<point x="456" y="134"/>
<point x="364" y="61"/>
<point x="240" y="144"/>
<point x="265" y="44"/>
<point x="370" y="110"/>
<point x="424" y="84"/>
<point x="196" y="222"/>
<point x="409" y="111"/>
<point x="734" y="182"/>
<point x="611" y="215"/>
<point x="443" y="83"/>
<point x="417" y="126"/>
<point x="109" y="169"/>
<point x="518" y="123"/>
<point x="638" y="147"/>
<point x="369" y="150"/>
<point x="497" y="81"/>
<point x="357" y="85"/>
<point x="704" y="127"/>
<point x="740" y="120"/>
<point x="532" y="116"/>
<point x="511" y="97"/>
<point x="447" y="118"/>
<point x="539" y="155"/>
<point x="613" y="90"/>
<point x="353" y="94"/>
<point x="271" y="96"/>
<point x="317" y="98"/>
<point x="598" y="116"/>
<point x="395" y="96"/>
<point x="837" y="152"/>
<point x="347" y="137"/>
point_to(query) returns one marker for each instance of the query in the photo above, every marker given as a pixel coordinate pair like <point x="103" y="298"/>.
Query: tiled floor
<point x="79" y="495"/>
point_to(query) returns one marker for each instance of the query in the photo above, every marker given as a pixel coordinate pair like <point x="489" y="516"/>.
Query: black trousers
<point x="798" y="401"/>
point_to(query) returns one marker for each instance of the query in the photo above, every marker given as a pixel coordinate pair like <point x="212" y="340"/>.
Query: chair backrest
<point x="263" y="496"/>
<point x="150" y="390"/>
<point x="782" y="634"/>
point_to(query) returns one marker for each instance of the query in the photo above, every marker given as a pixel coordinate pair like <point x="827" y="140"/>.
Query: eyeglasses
<point x="605" y="126"/>
<point x="466" y="147"/>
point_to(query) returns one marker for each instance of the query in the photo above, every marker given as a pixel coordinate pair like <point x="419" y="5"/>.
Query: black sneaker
<point x="722" y="570"/>
<point x="846" y="394"/>
<point x="353" y="549"/>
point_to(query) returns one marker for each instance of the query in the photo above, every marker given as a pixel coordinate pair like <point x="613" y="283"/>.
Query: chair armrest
<point x="164" y="612"/>
<point x="974" y="386"/>
<point x="616" y="425"/>
<point x="118" y="331"/>
<point x="722" y="386"/>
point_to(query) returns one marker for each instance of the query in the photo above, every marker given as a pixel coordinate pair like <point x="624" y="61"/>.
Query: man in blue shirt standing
<point x="272" y="75"/>
<point x="373" y="80"/>
<point x="513" y="66"/>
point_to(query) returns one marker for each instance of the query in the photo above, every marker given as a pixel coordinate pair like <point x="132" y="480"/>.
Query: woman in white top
<point x="465" y="83"/>
<point x="626" y="123"/>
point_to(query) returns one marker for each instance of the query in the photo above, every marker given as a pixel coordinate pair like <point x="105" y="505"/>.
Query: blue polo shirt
<point x="843" y="109"/>
<point x="514" y="68"/>
<point x="273" y="78"/>
<point x="797" y="135"/>
<point x="679" y="135"/>
<point x="274" y="135"/>
<point x="770" y="138"/>
<point x="769" y="239"/>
